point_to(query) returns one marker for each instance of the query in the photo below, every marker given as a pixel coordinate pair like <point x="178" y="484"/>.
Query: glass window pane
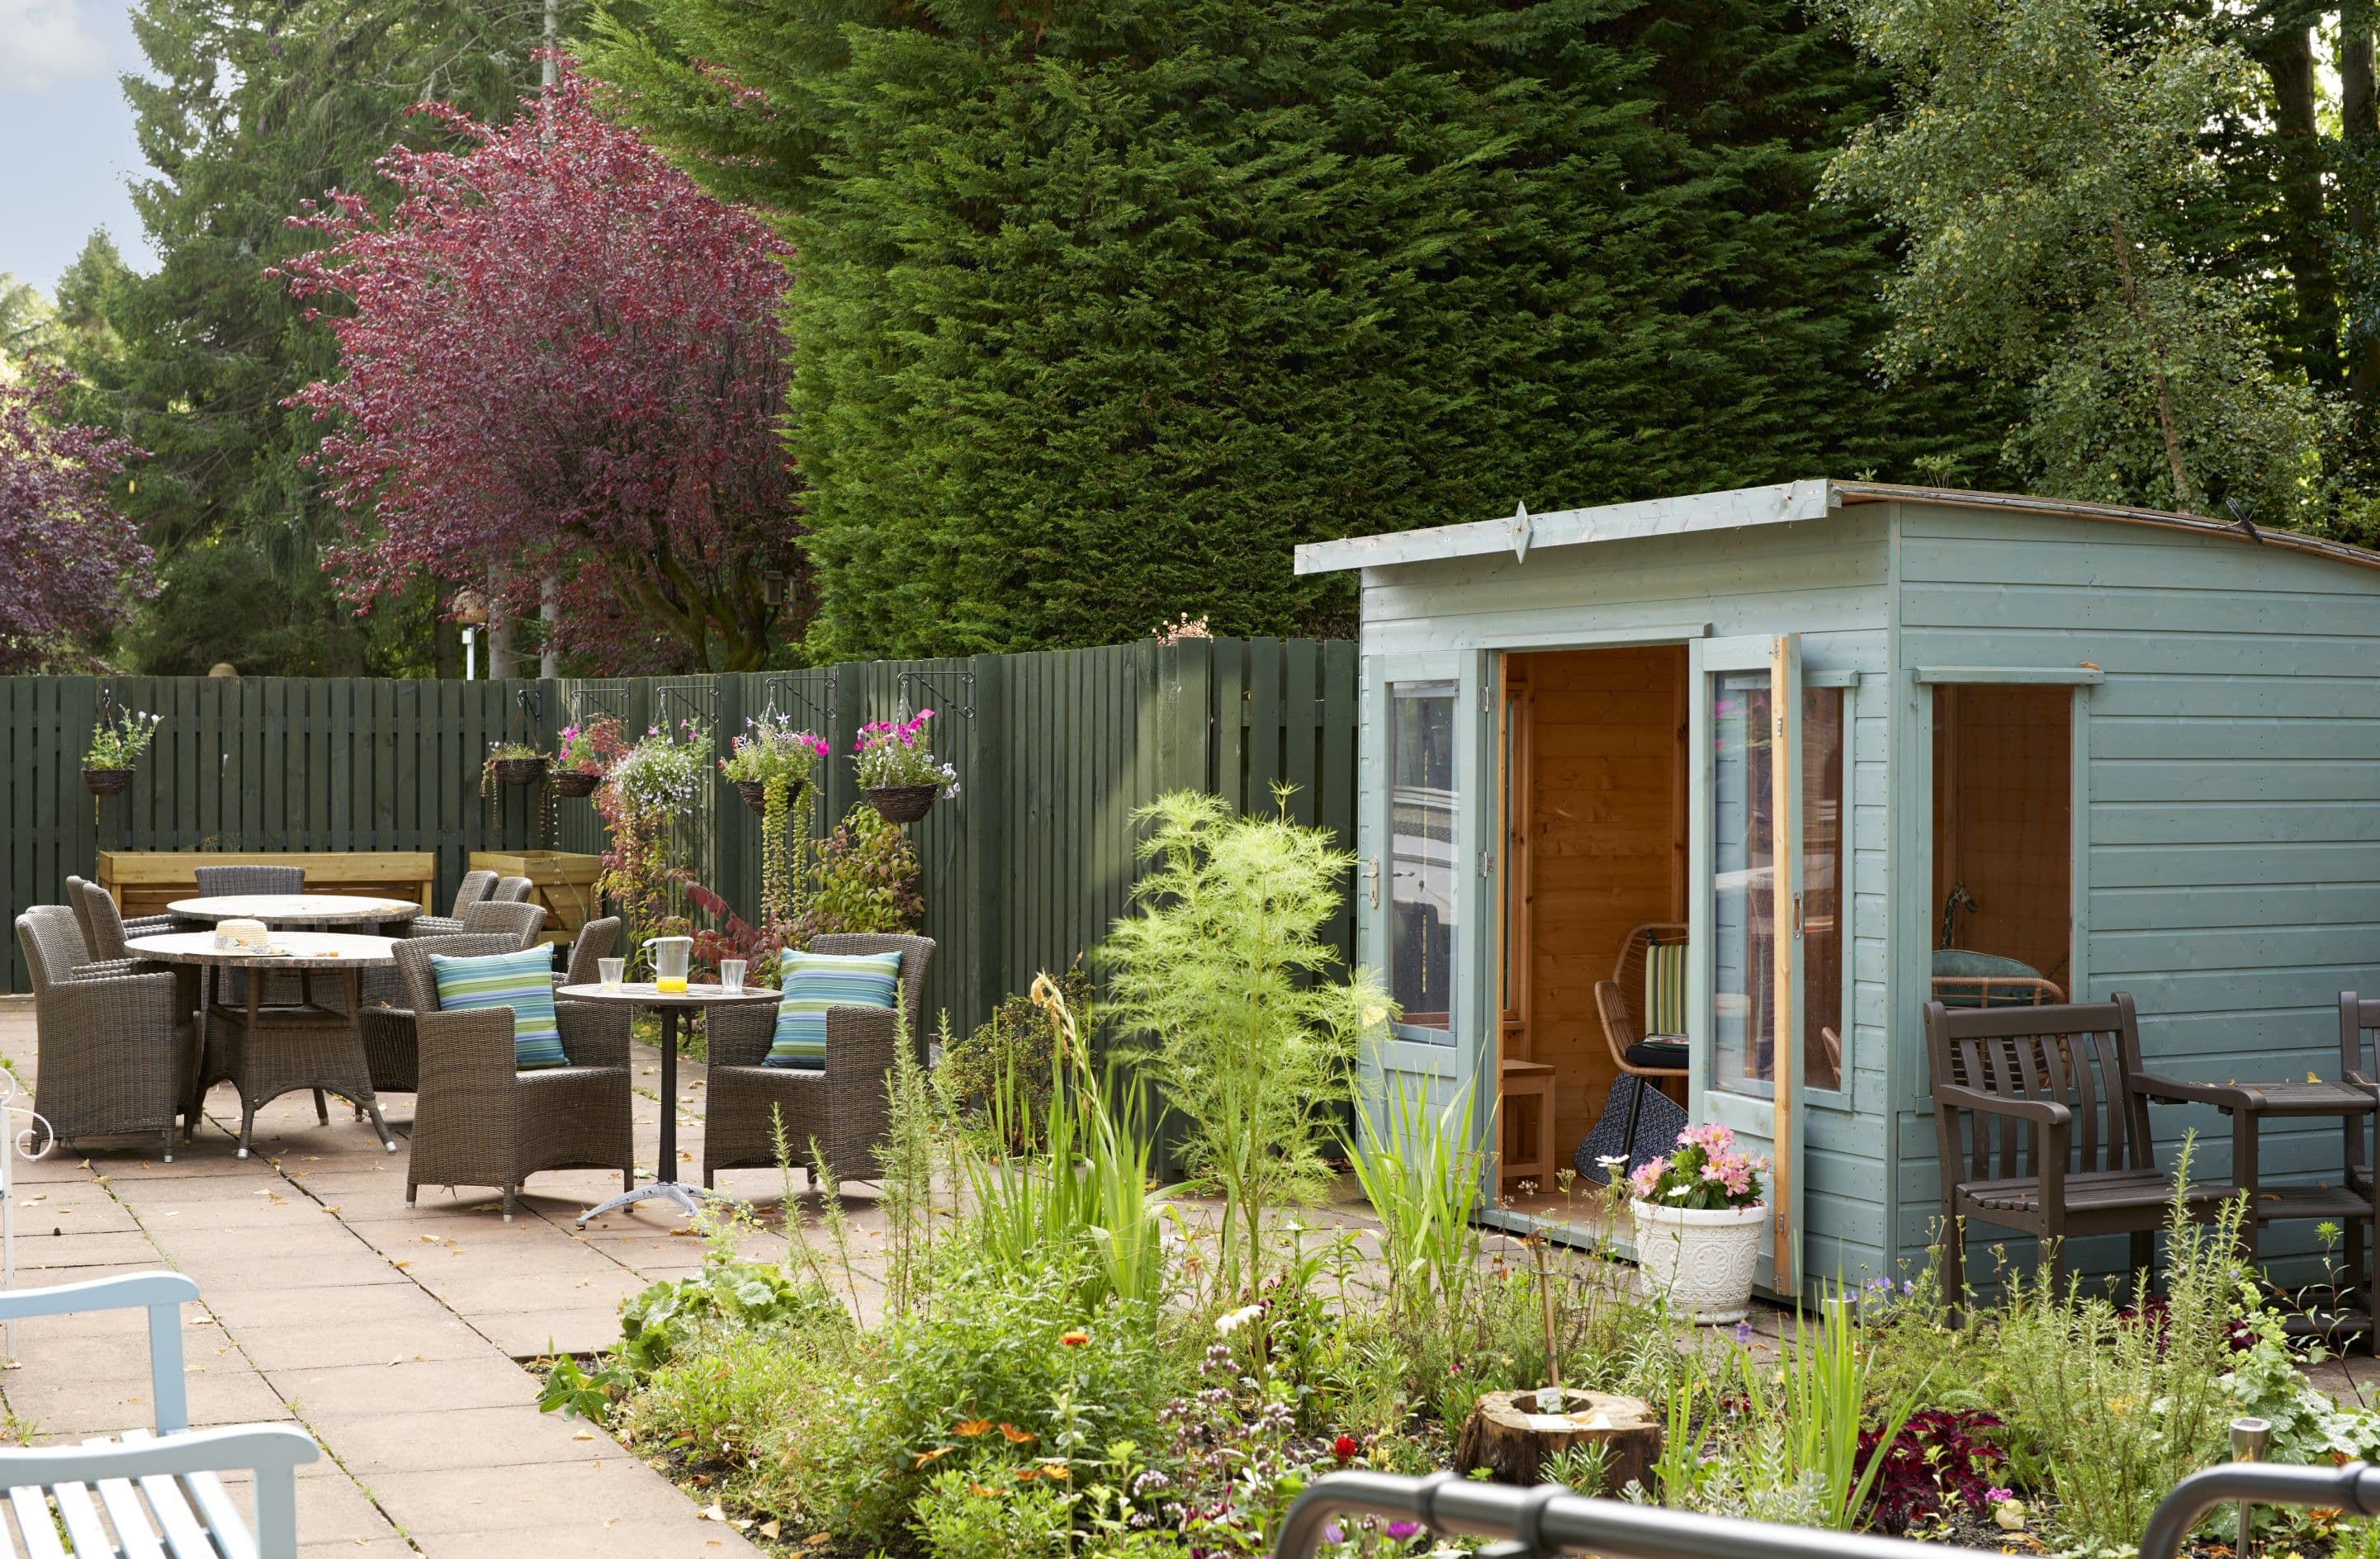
<point x="1825" y="887"/>
<point x="1422" y="869"/>
<point x="1743" y="830"/>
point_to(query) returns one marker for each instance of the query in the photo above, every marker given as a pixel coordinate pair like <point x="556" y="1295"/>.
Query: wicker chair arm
<point x="434" y="926"/>
<point x="155" y="925"/>
<point x="469" y="1051"/>
<point x="108" y="966"/>
<point x="739" y="1037"/>
<point x="861" y="1042"/>
<point x="108" y="1005"/>
<point x="594" y="1034"/>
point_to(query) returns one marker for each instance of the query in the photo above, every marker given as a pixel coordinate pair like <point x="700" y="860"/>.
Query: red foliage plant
<point x="1939" y="1458"/>
<point x="68" y="558"/>
<point x="562" y="358"/>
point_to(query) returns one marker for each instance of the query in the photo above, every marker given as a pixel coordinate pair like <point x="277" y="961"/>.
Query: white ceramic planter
<point x="1701" y="1260"/>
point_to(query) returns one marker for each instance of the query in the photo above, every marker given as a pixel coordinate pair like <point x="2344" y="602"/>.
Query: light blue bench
<point x="149" y="1495"/>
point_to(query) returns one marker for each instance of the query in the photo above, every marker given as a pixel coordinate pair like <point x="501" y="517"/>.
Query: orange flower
<point x="1074" y="1339"/>
<point x="933" y="1455"/>
<point x="1015" y="1435"/>
<point x="979" y="1492"/>
<point x="1058" y="1470"/>
<point x="970" y="1428"/>
<point x="1026" y="1474"/>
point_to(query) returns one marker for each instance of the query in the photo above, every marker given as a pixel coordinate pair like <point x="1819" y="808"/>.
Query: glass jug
<point x="670" y="956"/>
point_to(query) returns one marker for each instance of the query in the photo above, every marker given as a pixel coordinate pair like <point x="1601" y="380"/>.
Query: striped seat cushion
<point x="810" y="983"/>
<point x="522" y="981"/>
<point x="1665" y="990"/>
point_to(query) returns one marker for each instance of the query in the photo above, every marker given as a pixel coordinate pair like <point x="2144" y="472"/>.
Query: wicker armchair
<point x="115" y="1049"/>
<point x="596" y="939"/>
<point x="843" y="1109"/>
<point x="473" y="890"/>
<point x="479" y="1120"/>
<point x="94" y="938"/>
<point x="511" y="890"/>
<point x="215" y="881"/>
<point x="521" y="921"/>
<point x="391" y="1044"/>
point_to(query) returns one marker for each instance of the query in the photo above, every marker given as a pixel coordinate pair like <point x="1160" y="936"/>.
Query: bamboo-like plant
<point x="1421" y="1172"/>
<point x="1224" y="974"/>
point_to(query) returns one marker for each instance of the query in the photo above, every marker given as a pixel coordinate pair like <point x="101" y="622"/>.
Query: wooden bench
<point x="143" y="882"/>
<point x="149" y="1495"/>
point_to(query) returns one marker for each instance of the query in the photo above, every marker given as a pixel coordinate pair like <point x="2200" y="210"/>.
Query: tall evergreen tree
<point x="250" y="108"/>
<point x="1100" y="309"/>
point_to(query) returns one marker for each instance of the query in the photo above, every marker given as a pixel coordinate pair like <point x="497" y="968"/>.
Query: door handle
<point x="1797" y="917"/>
<point x="1372" y="879"/>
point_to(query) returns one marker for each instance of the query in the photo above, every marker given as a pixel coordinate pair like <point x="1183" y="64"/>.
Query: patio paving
<point x="394" y="1334"/>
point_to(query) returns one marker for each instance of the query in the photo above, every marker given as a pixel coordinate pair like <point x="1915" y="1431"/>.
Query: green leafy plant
<point x="1223" y="971"/>
<point x="1421" y="1175"/>
<point x="118" y="740"/>
<point x="864" y="877"/>
<point x="1822" y="1397"/>
<point x="1009" y="1062"/>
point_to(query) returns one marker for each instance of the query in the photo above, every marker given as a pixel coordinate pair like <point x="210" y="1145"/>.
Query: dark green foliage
<point x="247" y="108"/>
<point x="1008" y="1060"/>
<point x="1101" y="309"/>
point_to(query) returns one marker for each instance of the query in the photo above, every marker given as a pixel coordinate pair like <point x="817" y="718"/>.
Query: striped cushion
<point x="522" y="981"/>
<point x="1665" y="989"/>
<point x="809" y="984"/>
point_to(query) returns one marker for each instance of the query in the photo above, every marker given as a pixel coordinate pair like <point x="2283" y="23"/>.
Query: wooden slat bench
<point x="149" y="1495"/>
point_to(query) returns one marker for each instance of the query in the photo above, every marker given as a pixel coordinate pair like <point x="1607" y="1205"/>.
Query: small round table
<point x="282" y="1049"/>
<point x="665" y="1186"/>
<point x="308" y="909"/>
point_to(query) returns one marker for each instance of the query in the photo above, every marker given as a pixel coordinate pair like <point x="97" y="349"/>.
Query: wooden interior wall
<point x="1606" y="846"/>
<point x="2003" y="820"/>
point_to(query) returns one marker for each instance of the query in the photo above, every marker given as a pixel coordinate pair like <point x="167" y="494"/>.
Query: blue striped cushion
<point x="809" y="984"/>
<point x="522" y="981"/>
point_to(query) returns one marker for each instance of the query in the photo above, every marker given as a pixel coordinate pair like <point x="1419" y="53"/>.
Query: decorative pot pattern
<point x="1702" y="1262"/>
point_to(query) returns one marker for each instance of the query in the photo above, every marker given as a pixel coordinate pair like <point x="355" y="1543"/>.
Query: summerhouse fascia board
<point x="1521" y="533"/>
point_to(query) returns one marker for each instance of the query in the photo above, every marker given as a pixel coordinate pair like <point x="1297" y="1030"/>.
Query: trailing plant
<point x="645" y="788"/>
<point x="781" y="760"/>
<point x="118" y="740"/>
<point x="1223" y="971"/>
<point x="1009" y="1062"/>
<point x="889" y="754"/>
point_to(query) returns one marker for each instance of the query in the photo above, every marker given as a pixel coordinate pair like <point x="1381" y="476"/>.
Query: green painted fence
<point x="1024" y="870"/>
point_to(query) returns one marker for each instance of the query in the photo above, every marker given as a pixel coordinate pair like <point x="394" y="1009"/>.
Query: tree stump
<point x="1507" y="1435"/>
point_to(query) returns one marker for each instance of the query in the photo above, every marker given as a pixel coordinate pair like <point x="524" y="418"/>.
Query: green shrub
<point x="864" y="877"/>
<point x="961" y="1516"/>
<point x="1225" y="971"/>
<point x="1012" y="1052"/>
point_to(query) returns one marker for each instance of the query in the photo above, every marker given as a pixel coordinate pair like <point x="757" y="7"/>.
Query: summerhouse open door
<point x="1423" y="878"/>
<point x="1744" y="1008"/>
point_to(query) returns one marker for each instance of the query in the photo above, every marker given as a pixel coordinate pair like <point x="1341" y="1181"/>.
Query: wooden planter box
<point x="565" y="883"/>
<point x="143" y="882"/>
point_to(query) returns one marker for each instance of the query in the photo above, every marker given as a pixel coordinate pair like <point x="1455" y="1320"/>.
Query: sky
<point x="66" y="135"/>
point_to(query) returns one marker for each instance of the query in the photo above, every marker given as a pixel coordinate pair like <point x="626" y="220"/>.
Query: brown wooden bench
<point x="2057" y="1139"/>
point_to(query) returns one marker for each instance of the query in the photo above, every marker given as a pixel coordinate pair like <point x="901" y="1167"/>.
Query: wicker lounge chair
<point x="144" y="925"/>
<point x="162" y="1481"/>
<point x="522" y="922"/>
<point x="473" y="890"/>
<point x="217" y="881"/>
<point x="114" y="1047"/>
<point x="479" y="1120"/>
<point x="594" y="943"/>
<point x="392" y="1045"/>
<point x="511" y="890"/>
<point x="843" y="1109"/>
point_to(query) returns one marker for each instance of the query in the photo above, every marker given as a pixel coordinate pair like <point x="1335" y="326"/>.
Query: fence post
<point x="986" y="798"/>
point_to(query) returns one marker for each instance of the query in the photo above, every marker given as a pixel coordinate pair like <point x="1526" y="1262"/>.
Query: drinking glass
<point x="731" y="974"/>
<point x="611" y="969"/>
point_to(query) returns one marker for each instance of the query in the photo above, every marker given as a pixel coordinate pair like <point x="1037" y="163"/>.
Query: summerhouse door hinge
<point x="1487" y="699"/>
<point x="1486" y="863"/>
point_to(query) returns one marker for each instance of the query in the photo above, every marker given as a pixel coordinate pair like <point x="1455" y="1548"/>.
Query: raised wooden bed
<point x="564" y="884"/>
<point x="143" y="882"/>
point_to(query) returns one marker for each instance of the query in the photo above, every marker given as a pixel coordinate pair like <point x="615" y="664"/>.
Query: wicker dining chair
<point x="594" y="943"/>
<point x="472" y="890"/>
<point x="392" y="1046"/>
<point x="522" y="921"/>
<point x="843" y="1109"/>
<point x="114" y="1048"/>
<point x="479" y="1120"/>
<point x="215" y="881"/>
<point x="93" y="937"/>
<point x="511" y="890"/>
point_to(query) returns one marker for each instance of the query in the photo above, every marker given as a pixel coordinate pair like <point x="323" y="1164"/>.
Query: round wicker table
<point x="272" y="1050"/>
<point x="665" y="1186"/>
<point x="297" y="908"/>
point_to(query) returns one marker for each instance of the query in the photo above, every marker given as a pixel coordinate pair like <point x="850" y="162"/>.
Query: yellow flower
<point x="970" y="1428"/>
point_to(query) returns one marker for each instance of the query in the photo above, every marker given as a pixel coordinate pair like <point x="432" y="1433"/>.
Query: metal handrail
<point x="1550" y="1519"/>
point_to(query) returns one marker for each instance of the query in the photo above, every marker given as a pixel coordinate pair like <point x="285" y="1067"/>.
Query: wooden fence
<point x="1023" y="871"/>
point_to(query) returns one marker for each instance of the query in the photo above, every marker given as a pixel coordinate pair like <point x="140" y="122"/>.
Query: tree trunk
<point x="2289" y="59"/>
<point x="2359" y="116"/>
<point x="1507" y="1435"/>
<point x="2184" y="497"/>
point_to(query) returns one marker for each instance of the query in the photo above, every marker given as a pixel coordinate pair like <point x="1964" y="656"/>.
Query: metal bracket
<point x="588" y="702"/>
<point x="933" y="682"/>
<point x="785" y="687"/>
<point x="694" y="706"/>
<point x="532" y="705"/>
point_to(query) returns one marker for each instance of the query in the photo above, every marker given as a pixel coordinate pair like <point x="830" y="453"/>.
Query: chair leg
<point x="628" y="1180"/>
<point x="169" y="1141"/>
<point x="410" y="1192"/>
<point x="2054" y="1247"/>
<point x="322" y="1110"/>
<point x="1954" y="1266"/>
<point x="508" y="1204"/>
<point x="2143" y="1262"/>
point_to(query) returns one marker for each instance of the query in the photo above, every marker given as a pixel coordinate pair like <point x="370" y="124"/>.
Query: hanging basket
<point x="107" y="781"/>
<point x="756" y="796"/>
<point x="576" y="781"/>
<point x="520" y="771"/>
<point x="901" y="804"/>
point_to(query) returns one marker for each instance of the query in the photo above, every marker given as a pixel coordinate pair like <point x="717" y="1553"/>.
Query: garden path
<point x="391" y="1334"/>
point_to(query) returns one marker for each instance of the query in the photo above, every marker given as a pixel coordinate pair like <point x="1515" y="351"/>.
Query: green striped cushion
<point x="1665" y="989"/>
<point x="809" y="984"/>
<point x="522" y="981"/>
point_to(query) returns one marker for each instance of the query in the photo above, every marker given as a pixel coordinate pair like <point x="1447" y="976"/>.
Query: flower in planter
<point x="892" y="756"/>
<point x="589" y="747"/>
<point x="772" y="752"/>
<point x="1702" y="1173"/>
<point x="117" y="741"/>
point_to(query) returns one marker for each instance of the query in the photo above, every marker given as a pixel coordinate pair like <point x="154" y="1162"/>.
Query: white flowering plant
<point x="664" y="771"/>
<point x="118" y="740"/>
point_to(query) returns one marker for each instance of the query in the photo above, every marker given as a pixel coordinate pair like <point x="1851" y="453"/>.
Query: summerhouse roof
<point x="1782" y="503"/>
